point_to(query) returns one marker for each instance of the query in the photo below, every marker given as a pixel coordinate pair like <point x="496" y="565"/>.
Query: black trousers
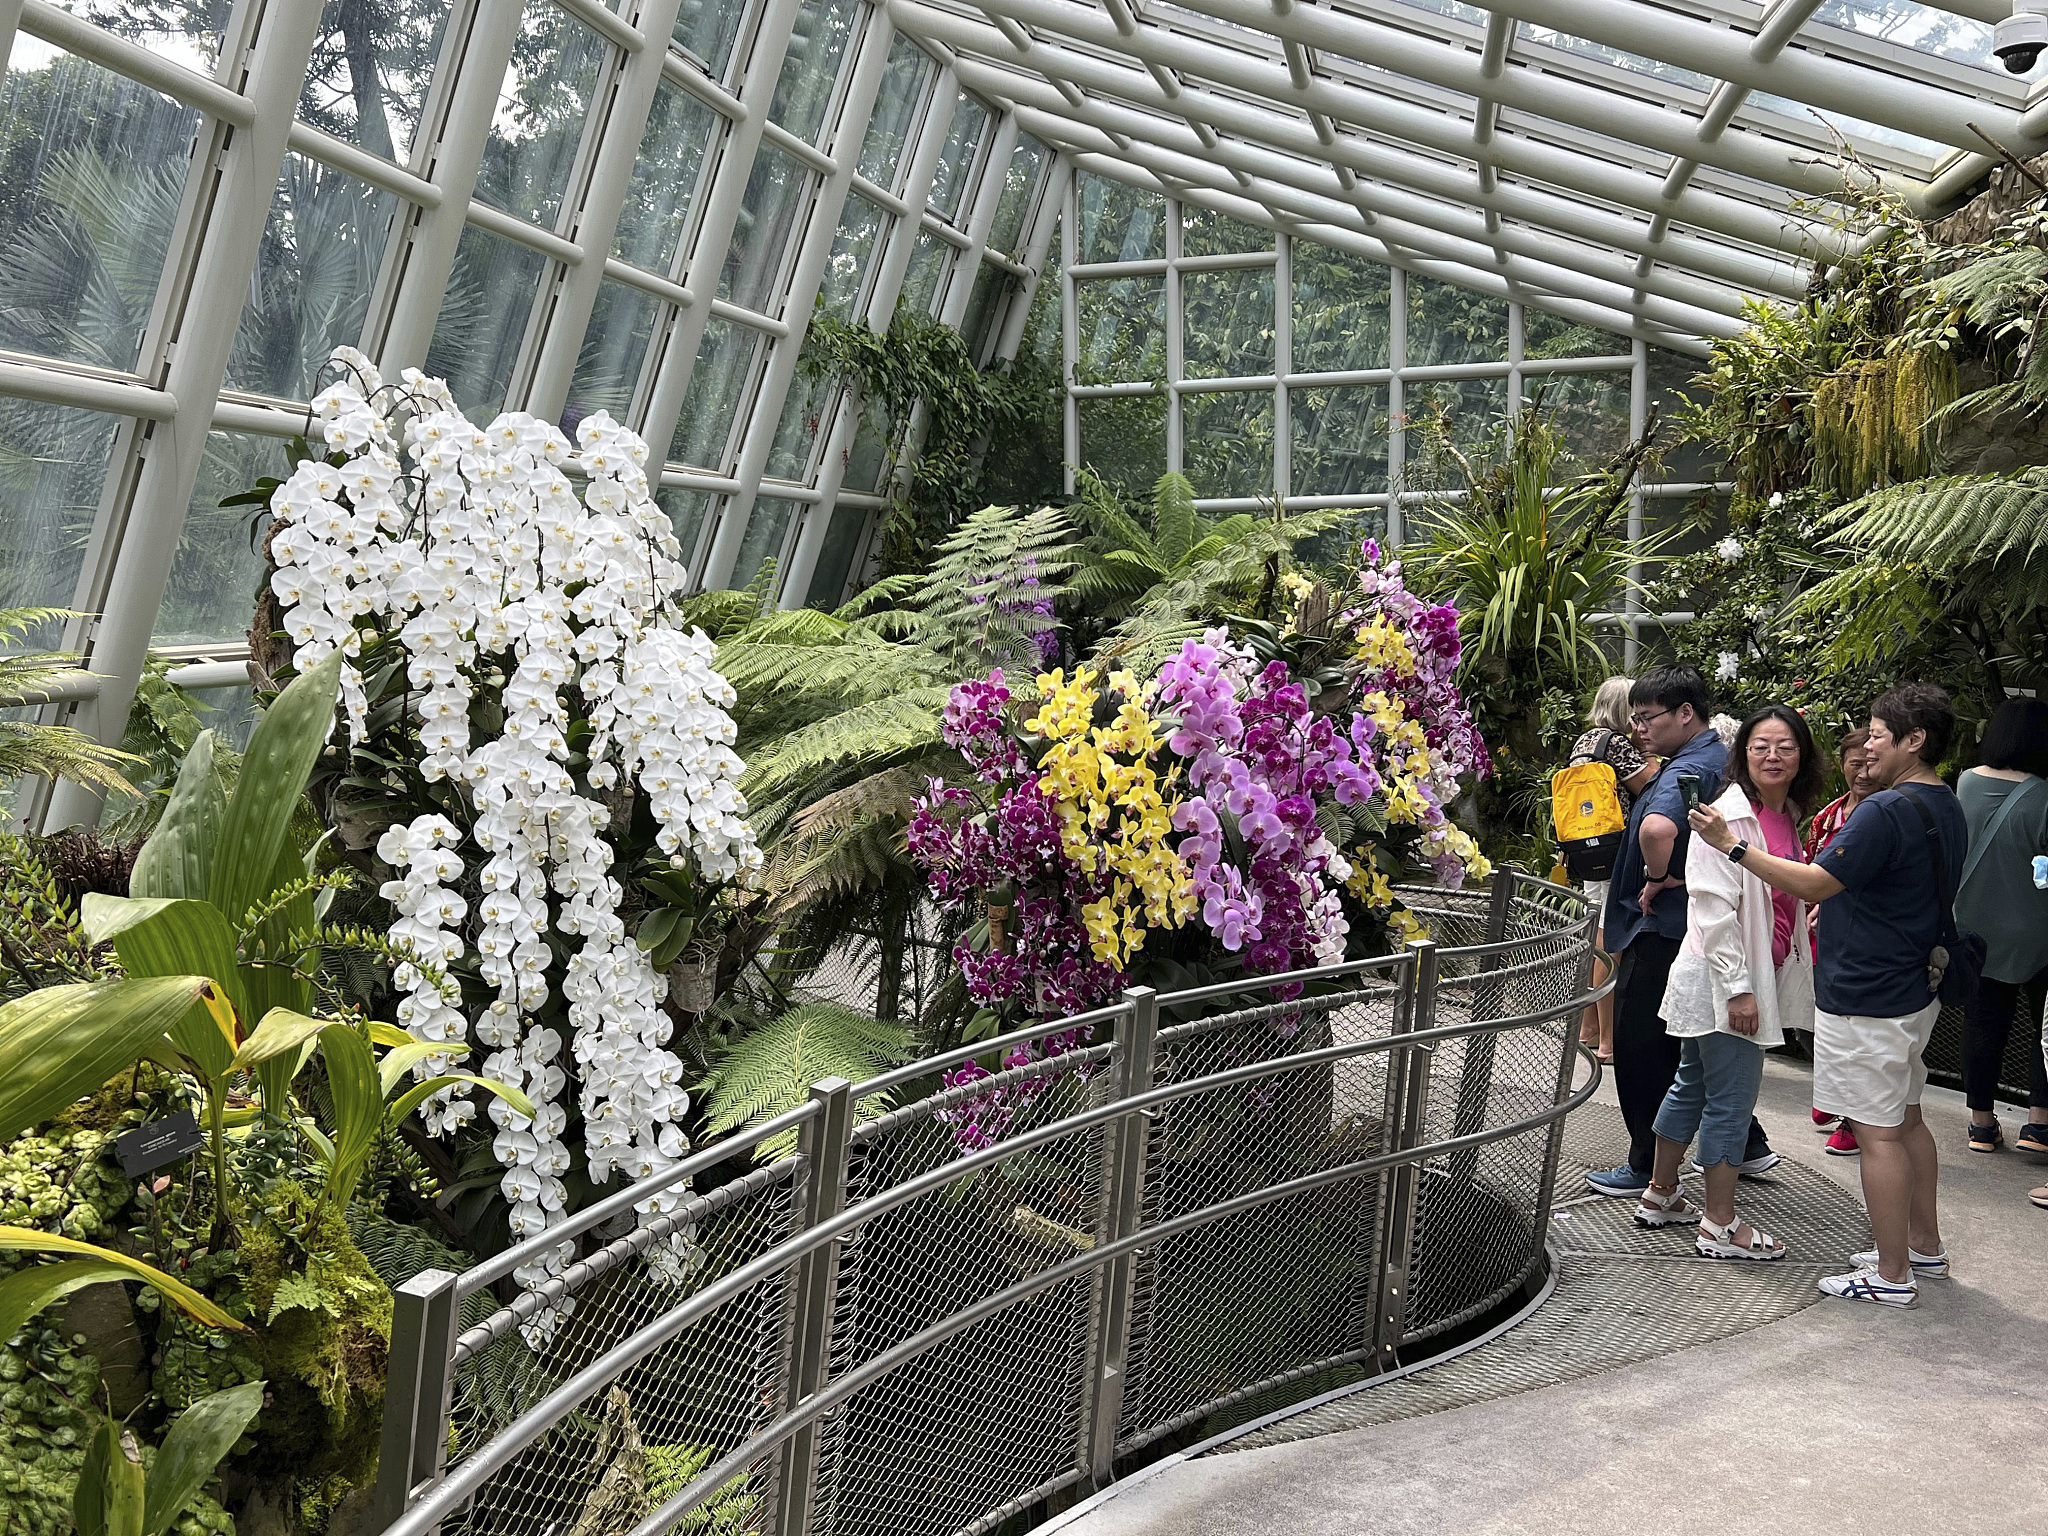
<point x="1645" y="1058"/>
<point x="1987" y="1022"/>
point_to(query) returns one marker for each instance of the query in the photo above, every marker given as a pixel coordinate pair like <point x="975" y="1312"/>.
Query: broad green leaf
<point x="61" y="1043"/>
<point x="273" y="986"/>
<point x="358" y="1098"/>
<point x="179" y="853"/>
<point x="27" y="1291"/>
<point x="399" y="1061"/>
<point x="155" y="936"/>
<point x="318" y="1138"/>
<point x="109" y="1497"/>
<point x="656" y="926"/>
<point x="202" y="1435"/>
<point x="28" y="1240"/>
<point x="280" y="758"/>
<point x="419" y="1093"/>
<point x="282" y="1032"/>
<point x="387" y="1034"/>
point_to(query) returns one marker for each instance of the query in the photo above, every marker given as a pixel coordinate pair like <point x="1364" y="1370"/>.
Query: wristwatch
<point x="1738" y="851"/>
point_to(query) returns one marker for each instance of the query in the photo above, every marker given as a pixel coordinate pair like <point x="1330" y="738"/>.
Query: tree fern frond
<point x="1099" y="509"/>
<point x="868" y="735"/>
<point x="771" y="1069"/>
<point x="890" y="589"/>
<point x="1173" y="519"/>
<point x="1949" y="522"/>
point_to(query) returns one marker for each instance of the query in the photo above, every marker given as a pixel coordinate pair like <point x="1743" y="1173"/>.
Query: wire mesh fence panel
<point x="995" y="1412"/>
<point x="1240" y="1302"/>
<point x="651" y="1428"/>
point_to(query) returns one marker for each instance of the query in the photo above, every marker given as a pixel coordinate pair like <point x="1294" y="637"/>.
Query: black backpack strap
<point x="1936" y="858"/>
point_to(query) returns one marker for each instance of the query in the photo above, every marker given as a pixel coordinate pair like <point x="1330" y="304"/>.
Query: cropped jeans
<point x="1713" y="1096"/>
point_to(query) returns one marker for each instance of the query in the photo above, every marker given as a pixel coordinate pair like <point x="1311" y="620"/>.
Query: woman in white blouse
<point x="1743" y="976"/>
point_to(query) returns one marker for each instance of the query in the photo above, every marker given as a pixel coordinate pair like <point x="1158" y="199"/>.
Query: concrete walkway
<point x="1838" y="1417"/>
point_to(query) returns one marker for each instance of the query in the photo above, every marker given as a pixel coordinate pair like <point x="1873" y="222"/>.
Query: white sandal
<point x="1719" y="1243"/>
<point x="1655" y="1210"/>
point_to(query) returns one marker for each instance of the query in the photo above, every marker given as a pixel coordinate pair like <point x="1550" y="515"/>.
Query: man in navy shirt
<point x="1874" y="986"/>
<point x="1645" y="916"/>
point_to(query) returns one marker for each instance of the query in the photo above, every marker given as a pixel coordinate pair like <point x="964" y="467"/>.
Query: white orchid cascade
<point x="472" y="547"/>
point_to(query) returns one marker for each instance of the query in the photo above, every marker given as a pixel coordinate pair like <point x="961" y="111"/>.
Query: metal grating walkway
<point x="1622" y="1294"/>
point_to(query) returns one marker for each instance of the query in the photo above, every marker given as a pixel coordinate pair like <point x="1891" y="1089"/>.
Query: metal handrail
<point x="823" y="1219"/>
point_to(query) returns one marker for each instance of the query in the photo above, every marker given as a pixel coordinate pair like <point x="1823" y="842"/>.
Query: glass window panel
<point x="921" y="278"/>
<point x="548" y="88"/>
<point x="1228" y="442"/>
<point x="1341" y="308"/>
<point x="751" y="276"/>
<point x="664" y="184"/>
<point x="829" y="577"/>
<point x="1590" y="409"/>
<point x="314" y="269"/>
<point x="1449" y="324"/>
<point x="1671" y="390"/>
<point x="868" y="459"/>
<point x="1924" y="28"/>
<point x="804" y="90"/>
<point x="1020" y="182"/>
<point x="1340" y="441"/>
<point x="614" y="348"/>
<point x="187" y="32"/>
<point x="230" y="713"/>
<point x="720" y="378"/>
<point x="483" y="319"/>
<point x="1204" y="232"/>
<point x="1547" y="336"/>
<point x="885" y="152"/>
<point x="956" y="160"/>
<point x="767" y="526"/>
<point x="372" y="62"/>
<point x="53" y="464"/>
<point x="1042" y="326"/>
<point x="803" y="413"/>
<point x="1120" y="223"/>
<point x="846" y="269"/>
<point x="1227" y="323"/>
<point x="991" y="286"/>
<point x="92" y="168"/>
<point x="686" y="510"/>
<point x="1122" y="329"/>
<point x="1467" y="413"/>
<point x="708" y="29"/>
<point x="1124" y="440"/>
<point x="218" y="570"/>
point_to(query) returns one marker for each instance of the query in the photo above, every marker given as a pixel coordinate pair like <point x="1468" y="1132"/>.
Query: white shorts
<point x="1868" y="1069"/>
<point x="1596" y="899"/>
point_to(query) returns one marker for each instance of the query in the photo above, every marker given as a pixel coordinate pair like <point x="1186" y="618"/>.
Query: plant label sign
<point x="148" y="1147"/>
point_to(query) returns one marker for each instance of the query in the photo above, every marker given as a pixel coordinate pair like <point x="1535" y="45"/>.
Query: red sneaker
<point x="1842" y="1143"/>
<point x="1825" y="1122"/>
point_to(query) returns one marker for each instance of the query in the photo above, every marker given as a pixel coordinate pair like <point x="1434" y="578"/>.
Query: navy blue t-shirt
<point x="1875" y="936"/>
<point x="1624" y="920"/>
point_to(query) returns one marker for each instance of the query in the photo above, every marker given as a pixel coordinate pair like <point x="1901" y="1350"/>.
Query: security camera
<point x="2019" y="39"/>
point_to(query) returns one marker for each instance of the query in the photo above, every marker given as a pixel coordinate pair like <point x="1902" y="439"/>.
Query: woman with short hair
<point x="2005" y="801"/>
<point x="1743" y="975"/>
<point x="1853" y="754"/>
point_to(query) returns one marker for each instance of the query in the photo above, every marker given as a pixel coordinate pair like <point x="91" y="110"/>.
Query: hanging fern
<point x="771" y="1069"/>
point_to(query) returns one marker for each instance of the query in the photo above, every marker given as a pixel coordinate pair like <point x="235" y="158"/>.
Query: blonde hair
<point x="1610" y="705"/>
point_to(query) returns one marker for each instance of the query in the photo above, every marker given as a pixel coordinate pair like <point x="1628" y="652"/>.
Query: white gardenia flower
<point x="458" y="542"/>
<point x="1727" y="667"/>
<point x="1729" y="549"/>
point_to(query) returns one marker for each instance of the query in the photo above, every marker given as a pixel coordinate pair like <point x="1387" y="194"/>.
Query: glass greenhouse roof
<point x="565" y="206"/>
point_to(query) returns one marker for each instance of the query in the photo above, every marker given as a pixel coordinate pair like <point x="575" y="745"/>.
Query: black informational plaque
<point x="148" y="1147"/>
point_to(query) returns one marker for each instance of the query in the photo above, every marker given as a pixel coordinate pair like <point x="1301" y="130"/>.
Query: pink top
<point x="1781" y="840"/>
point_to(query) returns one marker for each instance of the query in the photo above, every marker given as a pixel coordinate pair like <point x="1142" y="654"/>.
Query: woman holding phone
<point x="1743" y="975"/>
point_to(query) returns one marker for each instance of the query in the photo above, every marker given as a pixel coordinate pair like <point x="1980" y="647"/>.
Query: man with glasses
<point x="1645" y="917"/>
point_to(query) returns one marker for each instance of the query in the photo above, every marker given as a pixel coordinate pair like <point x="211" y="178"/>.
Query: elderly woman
<point x="1743" y="976"/>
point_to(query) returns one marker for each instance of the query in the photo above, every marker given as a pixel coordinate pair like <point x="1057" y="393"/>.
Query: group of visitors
<point x="1730" y="931"/>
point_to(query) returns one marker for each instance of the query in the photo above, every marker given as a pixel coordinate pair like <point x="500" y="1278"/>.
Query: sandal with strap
<point x="1719" y="1243"/>
<point x="1665" y="1210"/>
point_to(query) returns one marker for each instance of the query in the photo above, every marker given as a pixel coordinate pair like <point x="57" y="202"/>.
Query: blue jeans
<point x="1713" y="1096"/>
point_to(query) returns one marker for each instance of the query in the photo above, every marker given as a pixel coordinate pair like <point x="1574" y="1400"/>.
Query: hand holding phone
<point x="1689" y="791"/>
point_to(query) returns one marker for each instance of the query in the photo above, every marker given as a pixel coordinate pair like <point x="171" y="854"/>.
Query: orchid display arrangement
<point x="512" y="659"/>
<point x="1246" y="809"/>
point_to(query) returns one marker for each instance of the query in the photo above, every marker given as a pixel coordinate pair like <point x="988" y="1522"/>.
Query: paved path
<point x="1836" y="1417"/>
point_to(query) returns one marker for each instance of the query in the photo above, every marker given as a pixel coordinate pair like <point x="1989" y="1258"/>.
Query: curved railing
<point x="899" y="1311"/>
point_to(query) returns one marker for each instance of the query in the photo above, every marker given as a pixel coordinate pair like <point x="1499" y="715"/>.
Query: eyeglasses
<point x="1774" y="749"/>
<point x="1642" y="720"/>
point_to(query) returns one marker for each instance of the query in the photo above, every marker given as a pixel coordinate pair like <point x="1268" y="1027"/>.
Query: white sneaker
<point x="1869" y="1285"/>
<point x="1933" y="1265"/>
<point x="1763" y="1162"/>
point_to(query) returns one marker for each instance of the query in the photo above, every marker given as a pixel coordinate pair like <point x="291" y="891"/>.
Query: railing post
<point x="1567" y="1063"/>
<point x="1407" y="1093"/>
<point x="823" y="1144"/>
<point x="1489" y="1001"/>
<point x="417" y="1391"/>
<point x="1116" y="1283"/>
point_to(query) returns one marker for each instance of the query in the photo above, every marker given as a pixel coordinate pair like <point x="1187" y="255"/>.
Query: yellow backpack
<point x="1585" y="809"/>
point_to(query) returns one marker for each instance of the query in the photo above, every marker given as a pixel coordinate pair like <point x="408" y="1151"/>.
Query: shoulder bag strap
<point x="2012" y="800"/>
<point x="1940" y="868"/>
